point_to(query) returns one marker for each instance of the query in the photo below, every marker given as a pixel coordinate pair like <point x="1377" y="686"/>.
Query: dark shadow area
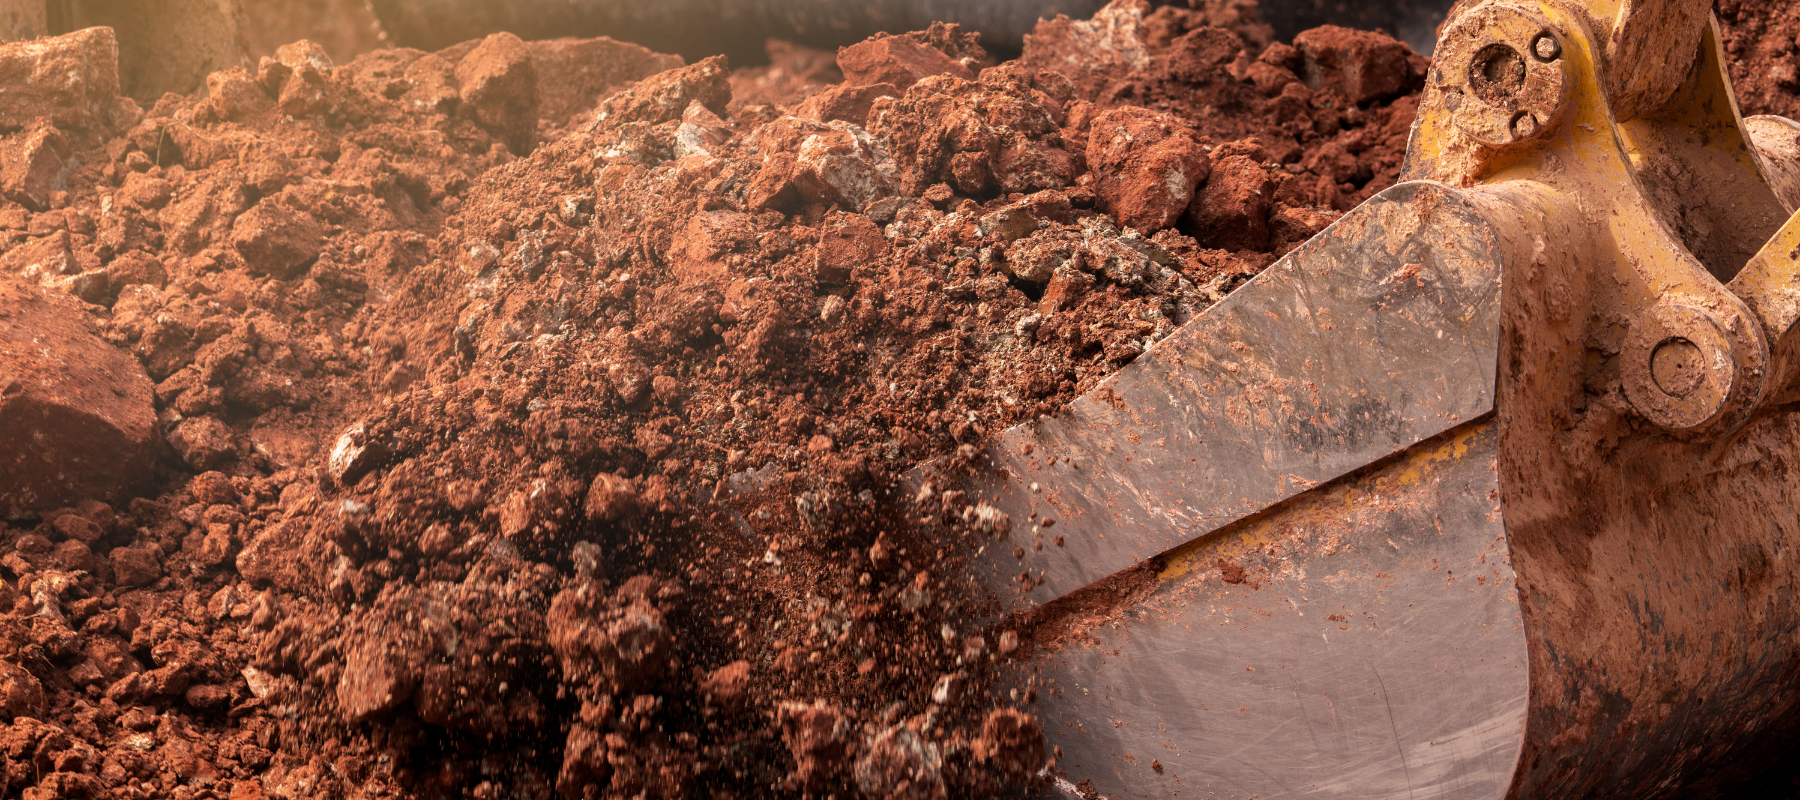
<point x="1779" y="782"/>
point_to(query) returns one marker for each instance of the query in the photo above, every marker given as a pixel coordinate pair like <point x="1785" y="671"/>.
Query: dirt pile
<point x="1762" y="53"/>
<point x="535" y="412"/>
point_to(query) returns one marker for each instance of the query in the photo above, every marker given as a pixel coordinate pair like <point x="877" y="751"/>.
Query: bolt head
<point x="1525" y="126"/>
<point x="1546" y="48"/>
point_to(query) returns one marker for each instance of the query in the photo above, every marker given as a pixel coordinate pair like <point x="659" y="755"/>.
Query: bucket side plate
<point x="1378" y="334"/>
<point x="1360" y="641"/>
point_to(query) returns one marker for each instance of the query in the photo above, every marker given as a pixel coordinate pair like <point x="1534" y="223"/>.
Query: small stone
<point x="203" y="442"/>
<point x="34" y="165"/>
<point x="236" y="95"/>
<point x="517" y="516"/>
<point x="948" y="689"/>
<point x="847" y="241"/>
<point x="221" y="603"/>
<point x="1065" y="288"/>
<point x="216" y="546"/>
<point x="43" y="259"/>
<point x="263" y="610"/>
<point x="77" y="528"/>
<point x="728" y="686"/>
<point x="433" y="82"/>
<point x="1232" y="212"/>
<point x="212" y="489"/>
<point x="375" y="679"/>
<point x="133" y="567"/>
<point x="110" y="659"/>
<point x="631" y="380"/>
<point x="846" y="101"/>
<point x="146" y="192"/>
<point x="666" y="389"/>
<point x="819" y="736"/>
<point x="354" y="455"/>
<point x="73" y="555"/>
<point x="610" y="498"/>
<point x="698" y="252"/>
<point x="208" y="696"/>
<point x="260" y="683"/>
<point x="136" y="267"/>
<point x="437" y="541"/>
<point x="21" y="695"/>
<point x="305" y="93"/>
<point x="267" y="557"/>
<point x="807" y="162"/>
<point x="665" y="96"/>
<point x="304" y="53"/>
<point x="277" y="241"/>
<point x="701" y="132"/>
<point x="573" y="74"/>
<point x="1012" y="742"/>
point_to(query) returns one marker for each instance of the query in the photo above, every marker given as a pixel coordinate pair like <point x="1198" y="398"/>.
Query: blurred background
<point x="171" y="45"/>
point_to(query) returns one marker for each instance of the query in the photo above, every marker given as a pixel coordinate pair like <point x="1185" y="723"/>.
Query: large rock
<point x="575" y="74"/>
<point x="896" y="60"/>
<point x="1363" y="66"/>
<point x="277" y="240"/>
<point x="34" y="164"/>
<point x="499" y="86"/>
<point x="1232" y="212"/>
<point x="71" y="79"/>
<point x="1148" y="165"/>
<point x="76" y="415"/>
<point x="809" y="162"/>
<point x="1092" y="53"/>
<point x="665" y="96"/>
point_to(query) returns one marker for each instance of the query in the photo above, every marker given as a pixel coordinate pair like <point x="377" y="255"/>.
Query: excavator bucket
<point x="1486" y="491"/>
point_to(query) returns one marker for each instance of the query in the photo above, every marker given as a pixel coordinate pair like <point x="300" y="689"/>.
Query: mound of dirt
<point x="533" y="414"/>
<point x="1762" y="53"/>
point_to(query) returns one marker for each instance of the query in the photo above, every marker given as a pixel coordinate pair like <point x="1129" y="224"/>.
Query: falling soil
<point x="535" y="413"/>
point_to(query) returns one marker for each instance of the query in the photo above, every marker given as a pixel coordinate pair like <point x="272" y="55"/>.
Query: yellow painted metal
<point x="1672" y="195"/>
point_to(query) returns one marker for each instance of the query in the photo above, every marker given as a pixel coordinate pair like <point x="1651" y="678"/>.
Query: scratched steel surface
<point x="1377" y="334"/>
<point x="1374" y="650"/>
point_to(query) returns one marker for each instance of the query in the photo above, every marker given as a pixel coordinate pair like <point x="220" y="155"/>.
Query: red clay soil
<point x="1762" y="51"/>
<point x="534" y="412"/>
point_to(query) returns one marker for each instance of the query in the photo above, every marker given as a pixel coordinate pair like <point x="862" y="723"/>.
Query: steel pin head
<point x="1546" y="48"/>
<point x="1525" y="126"/>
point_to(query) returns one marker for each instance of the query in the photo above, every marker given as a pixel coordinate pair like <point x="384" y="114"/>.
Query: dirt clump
<point x="1762" y="55"/>
<point x="77" y="420"/>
